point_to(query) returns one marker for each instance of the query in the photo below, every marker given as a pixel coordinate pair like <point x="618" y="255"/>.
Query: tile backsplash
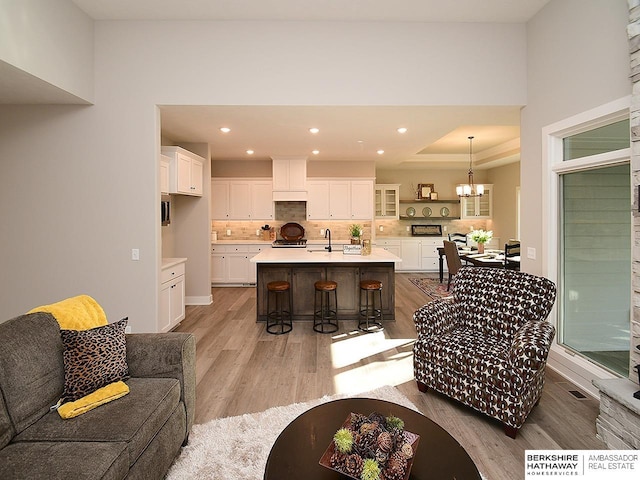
<point x="296" y="212"/>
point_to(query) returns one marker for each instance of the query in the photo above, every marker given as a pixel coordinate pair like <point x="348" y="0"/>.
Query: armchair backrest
<point x="498" y="301"/>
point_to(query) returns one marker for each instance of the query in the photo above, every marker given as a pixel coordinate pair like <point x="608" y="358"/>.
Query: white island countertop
<point x="303" y="255"/>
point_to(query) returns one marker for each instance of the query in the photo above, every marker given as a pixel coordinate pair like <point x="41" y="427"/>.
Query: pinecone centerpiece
<point x="372" y="447"/>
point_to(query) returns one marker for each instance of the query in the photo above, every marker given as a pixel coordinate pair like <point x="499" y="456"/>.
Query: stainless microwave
<point x="165" y="210"/>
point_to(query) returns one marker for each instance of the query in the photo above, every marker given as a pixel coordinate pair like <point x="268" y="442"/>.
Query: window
<point x="587" y="227"/>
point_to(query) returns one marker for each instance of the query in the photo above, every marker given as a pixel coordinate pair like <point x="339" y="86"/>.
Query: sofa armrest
<point x="530" y="347"/>
<point x="436" y="318"/>
<point x="166" y="355"/>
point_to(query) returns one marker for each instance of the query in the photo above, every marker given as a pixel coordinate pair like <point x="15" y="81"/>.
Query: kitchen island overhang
<point x="302" y="268"/>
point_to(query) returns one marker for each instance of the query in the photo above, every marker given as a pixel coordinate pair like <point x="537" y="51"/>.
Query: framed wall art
<point x="424" y="190"/>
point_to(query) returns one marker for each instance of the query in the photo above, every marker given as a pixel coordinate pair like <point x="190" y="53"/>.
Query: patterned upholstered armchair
<point x="487" y="345"/>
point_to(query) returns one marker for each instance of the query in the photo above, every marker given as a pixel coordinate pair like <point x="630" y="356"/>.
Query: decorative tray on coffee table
<point x="383" y="440"/>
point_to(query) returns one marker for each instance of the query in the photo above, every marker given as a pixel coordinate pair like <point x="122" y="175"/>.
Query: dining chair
<point x="511" y="249"/>
<point x="453" y="260"/>
<point x="459" y="238"/>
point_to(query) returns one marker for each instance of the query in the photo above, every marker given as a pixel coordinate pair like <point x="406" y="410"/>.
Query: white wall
<point x="51" y="40"/>
<point x="79" y="186"/>
<point x="577" y="59"/>
<point x="505" y="180"/>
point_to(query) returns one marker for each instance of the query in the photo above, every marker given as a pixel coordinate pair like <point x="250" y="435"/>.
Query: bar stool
<point x="279" y="320"/>
<point x="325" y="320"/>
<point x="371" y="317"/>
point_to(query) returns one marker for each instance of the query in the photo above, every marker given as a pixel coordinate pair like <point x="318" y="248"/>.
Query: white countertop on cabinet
<point x="303" y="255"/>
<point x="170" y="262"/>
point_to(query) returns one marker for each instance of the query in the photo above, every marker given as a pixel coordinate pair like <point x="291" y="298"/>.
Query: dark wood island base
<point x="302" y="277"/>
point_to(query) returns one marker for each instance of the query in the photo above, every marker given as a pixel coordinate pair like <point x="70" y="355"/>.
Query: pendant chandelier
<point x="470" y="189"/>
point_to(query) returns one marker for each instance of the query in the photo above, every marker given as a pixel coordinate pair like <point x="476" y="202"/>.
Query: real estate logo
<point x="583" y="464"/>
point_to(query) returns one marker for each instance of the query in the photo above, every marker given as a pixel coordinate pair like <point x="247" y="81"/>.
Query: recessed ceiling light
<point x="380" y="152"/>
<point x="225" y="129"/>
<point x="402" y="130"/>
<point x="314" y="130"/>
<point x="315" y="152"/>
<point x="250" y="152"/>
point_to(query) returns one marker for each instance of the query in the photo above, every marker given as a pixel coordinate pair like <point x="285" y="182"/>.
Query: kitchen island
<point x="302" y="268"/>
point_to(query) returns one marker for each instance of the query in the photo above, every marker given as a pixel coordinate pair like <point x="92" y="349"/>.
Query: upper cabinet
<point x="241" y="199"/>
<point x="289" y="179"/>
<point x="387" y="201"/>
<point x="164" y="174"/>
<point x="478" y="207"/>
<point x="186" y="171"/>
<point x="340" y="199"/>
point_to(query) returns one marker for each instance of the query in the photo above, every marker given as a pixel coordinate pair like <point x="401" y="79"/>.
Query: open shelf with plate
<point x="423" y="209"/>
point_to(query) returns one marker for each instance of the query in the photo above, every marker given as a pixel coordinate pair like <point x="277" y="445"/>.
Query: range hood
<point x="289" y="196"/>
<point x="289" y="179"/>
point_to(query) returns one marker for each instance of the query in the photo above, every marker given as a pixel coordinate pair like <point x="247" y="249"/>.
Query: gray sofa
<point x="136" y="436"/>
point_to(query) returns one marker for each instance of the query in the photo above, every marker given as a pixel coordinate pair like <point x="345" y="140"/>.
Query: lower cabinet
<point x="231" y="264"/>
<point x="172" y="309"/>
<point x="417" y="254"/>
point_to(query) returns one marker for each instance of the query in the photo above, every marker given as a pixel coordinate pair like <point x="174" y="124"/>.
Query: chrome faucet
<point x="327" y="232"/>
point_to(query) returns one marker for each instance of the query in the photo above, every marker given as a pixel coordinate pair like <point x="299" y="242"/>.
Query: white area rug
<point x="238" y="447"/>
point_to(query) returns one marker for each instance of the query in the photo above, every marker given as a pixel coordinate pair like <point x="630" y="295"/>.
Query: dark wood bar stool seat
<point x="279" y="319"/>
<point x="325" y="318"/>
<point x="370" y="316"/>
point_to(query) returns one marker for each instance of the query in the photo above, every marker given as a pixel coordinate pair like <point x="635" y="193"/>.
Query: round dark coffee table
<point x="298" y="449"/>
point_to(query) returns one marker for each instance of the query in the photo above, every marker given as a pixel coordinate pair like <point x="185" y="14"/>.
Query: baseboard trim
<point x="203" y="300"/>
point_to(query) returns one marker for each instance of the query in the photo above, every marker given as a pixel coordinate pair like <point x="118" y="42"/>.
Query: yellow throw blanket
<point x="76" y="313"/>
<point x="83" y="313"/>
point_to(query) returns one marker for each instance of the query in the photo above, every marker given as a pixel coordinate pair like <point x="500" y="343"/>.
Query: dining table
<point x="489" y="258"/>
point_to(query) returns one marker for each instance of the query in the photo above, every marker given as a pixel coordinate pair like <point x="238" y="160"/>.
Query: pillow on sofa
<point x="93" y="359"/>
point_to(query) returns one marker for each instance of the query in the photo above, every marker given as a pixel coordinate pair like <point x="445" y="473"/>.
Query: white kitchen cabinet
<point x="410" y="254"/>
<point x="219" y="200"/>
<point x="387" y="201"/>
<point x="289" y="178"/>
<point x="361" y="200"/>
<point x="340" y="199"/>
<point x="241" y="199"/>
<point x="262" y="200"/>
<point x="393" y="246"/>
<point x="172" y="292"/>
<point x="317" y="200"/>
<point x="477" y="207"/>
<point x="429" y="253"/>
<point x="186" y="171"/>
<point x="164" y="174"/>
<point x="231" y="265"/>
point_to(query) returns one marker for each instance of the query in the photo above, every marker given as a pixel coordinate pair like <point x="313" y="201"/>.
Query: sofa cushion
<point x="31" y="368"/>
<point x="93" y="359"/>
<point x="134" y="419"/>
<point x="64" y="460"/>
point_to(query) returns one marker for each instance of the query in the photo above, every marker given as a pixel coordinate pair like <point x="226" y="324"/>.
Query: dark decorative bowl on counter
<point x="371" y="447"/>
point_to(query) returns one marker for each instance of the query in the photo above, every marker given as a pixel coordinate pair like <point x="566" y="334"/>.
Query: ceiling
<point x="436" y="136"/>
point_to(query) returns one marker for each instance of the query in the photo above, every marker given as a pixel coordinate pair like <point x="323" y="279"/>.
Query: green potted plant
<point x="481" y="237"/>
<point x="355" y="231"/>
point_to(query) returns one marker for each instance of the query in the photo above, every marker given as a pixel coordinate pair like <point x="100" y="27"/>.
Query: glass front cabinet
<point x="387" y="201"/>
<point x="477" y="207"/>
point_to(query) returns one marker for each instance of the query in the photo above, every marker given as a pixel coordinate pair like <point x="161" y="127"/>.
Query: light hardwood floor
<point x="242" y="369"/>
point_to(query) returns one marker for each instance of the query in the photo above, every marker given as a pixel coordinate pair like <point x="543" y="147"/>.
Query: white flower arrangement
<point x="481" y="236"/>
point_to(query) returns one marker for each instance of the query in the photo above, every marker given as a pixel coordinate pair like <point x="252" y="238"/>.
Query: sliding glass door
<point x="595" y="265"/>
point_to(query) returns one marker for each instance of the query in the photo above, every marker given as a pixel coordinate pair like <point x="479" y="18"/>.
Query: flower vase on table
<point x="481" y="237"/>
<point x="481" y="248"/>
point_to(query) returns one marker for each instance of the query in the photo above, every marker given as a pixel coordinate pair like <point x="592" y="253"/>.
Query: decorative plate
<point x="426" y="212"/>
<point x="444" y="212"/>
<point x="411" y="212"/>
<point x="292" y="231"/>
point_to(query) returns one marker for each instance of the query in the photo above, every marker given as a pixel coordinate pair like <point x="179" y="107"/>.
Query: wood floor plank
<point x="242" y="369"/>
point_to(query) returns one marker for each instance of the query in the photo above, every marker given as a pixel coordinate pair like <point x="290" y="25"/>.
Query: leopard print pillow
<point x="93" y="359"/>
